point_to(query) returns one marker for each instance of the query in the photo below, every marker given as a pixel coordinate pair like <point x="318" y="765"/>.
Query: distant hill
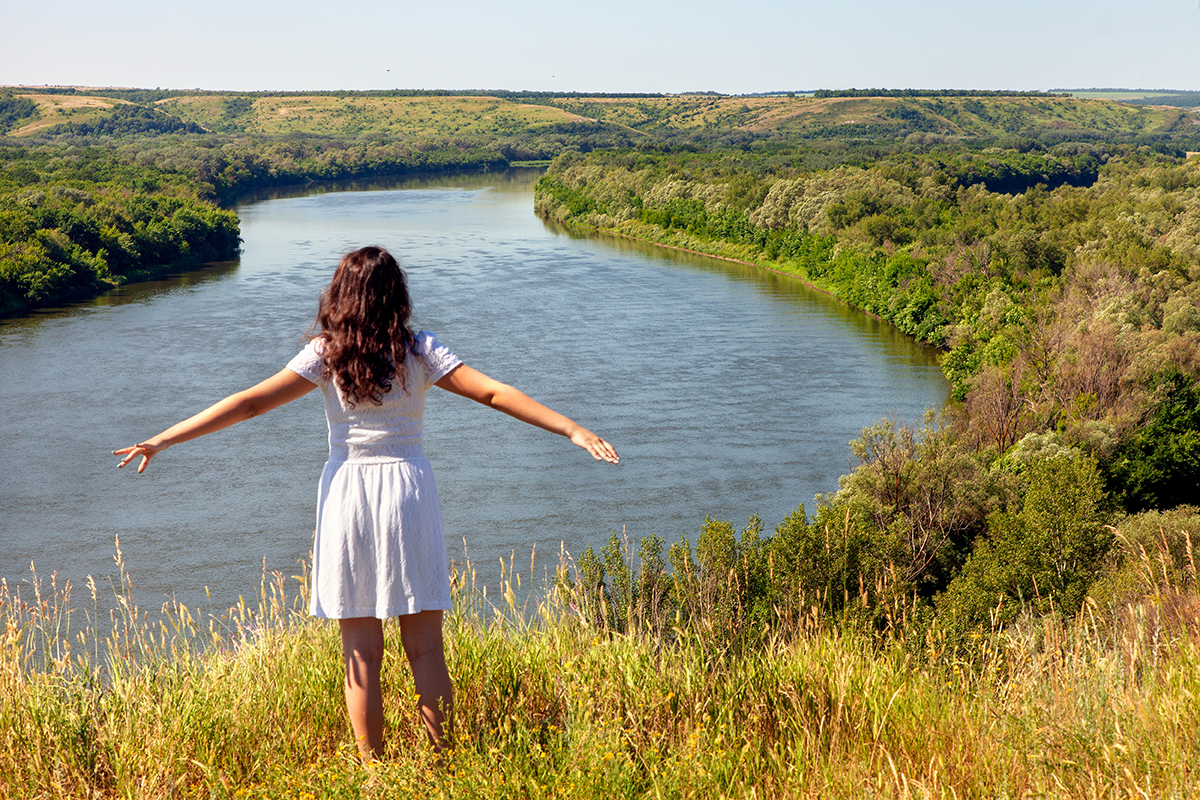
<point x="1044" y="116"/>
<point x="1141" y="97"/>
<point x="826" y="114"/>
<point x="353" y="114"/>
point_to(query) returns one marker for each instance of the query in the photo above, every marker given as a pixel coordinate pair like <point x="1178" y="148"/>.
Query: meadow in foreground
<point x="553" y="702"/>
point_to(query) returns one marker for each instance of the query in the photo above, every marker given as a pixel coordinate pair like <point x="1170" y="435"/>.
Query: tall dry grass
<point x="249" y="704"/>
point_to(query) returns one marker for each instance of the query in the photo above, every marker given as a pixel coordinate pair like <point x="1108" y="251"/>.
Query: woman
<point x="379" y="549"/>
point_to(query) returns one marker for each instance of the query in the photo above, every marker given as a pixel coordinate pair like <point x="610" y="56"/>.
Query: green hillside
<point x="502" y="114"/>
<point x="963" y="116"/>
<point x="354" y="114"/>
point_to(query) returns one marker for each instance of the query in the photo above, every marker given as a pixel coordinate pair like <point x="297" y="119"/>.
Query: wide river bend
<point x="727" y="390"/>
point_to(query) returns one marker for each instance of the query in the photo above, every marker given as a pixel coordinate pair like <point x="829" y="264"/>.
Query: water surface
<point x="727" y="390"/>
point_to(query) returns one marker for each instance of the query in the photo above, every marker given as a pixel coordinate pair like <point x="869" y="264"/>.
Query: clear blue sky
<point x="615" y="46"/>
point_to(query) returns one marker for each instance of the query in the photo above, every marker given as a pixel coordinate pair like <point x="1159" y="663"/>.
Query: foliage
<point x="1014" y="172"/>
<point x="1057" y="306"/>
<point x="105" y="235"/>
<point x="1159" y="467"/>
<point x="1153" y="559"/>
<point x="249" y="704"/>
<point x="128" y="120"/>
<point x="1067" y="306"/>
<point x="1043" y="557"/>
<point x="15" y="110"/>
<point x="925" y="494"/>
<point x="75" y="222"/>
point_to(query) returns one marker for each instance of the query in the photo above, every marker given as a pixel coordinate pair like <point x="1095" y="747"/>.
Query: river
<point x="727" y="390"/>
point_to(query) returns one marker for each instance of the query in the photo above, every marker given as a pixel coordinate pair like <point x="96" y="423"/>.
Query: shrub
<point x="1043" y="557"/>
<point x="1153" y="556"/>
<point x="1160" y="466"/>
<point x="924" y="494"/>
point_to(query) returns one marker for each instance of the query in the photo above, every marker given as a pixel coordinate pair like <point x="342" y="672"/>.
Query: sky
<point x="738" y="47"/>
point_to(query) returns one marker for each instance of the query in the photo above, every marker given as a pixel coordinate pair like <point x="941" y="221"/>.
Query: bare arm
<point x="473" y="384"/>
<point x="283" y="387"/>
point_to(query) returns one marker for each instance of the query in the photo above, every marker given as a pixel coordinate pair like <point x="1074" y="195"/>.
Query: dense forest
<point x="1063" y="284"/>
<point x="70" y="226"/>
<point x="75" y="221"/>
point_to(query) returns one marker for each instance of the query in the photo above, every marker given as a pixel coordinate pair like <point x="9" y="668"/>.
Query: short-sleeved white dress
<point x="379" y="548"/>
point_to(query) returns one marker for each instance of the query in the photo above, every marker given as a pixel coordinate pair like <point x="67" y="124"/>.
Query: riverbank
<point x="549" y="705"/>
<point x="654" y="235"/>
<point x="79" y="223"/>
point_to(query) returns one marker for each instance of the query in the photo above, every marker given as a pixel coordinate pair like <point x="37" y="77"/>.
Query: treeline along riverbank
<point x="102" y="186"/>
<point x="74" y="222"/>
<point x="78" y="219"/>
<point x="1064" y="285"/>
<point x="82" y="212"/>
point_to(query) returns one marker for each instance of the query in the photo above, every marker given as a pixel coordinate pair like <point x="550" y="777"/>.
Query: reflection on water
<point x="145" y="290"/>
<point x="728" y="390"/>
<point x="515" y="179"/>
<point x="899" y="345"/>
<point x="122" y="295"/>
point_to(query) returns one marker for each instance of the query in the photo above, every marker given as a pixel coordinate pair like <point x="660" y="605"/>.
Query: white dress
<point x="379" y="549"/>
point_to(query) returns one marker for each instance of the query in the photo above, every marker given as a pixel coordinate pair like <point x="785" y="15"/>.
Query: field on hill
<point x="355" y="114"/>
<point x="1160" y="97"/>
<point x="829" y="116"/>
<point x="56" y="109"/>
<point x="1119" y="94"/>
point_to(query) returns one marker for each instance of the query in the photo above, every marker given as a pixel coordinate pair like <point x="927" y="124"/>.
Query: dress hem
<point x="386" y="613"/>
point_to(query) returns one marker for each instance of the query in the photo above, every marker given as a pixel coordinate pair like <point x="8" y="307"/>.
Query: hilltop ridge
<point x="822" y="114"/>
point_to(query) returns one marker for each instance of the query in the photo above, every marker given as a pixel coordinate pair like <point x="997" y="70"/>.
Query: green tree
<point x="1042" y="557"/>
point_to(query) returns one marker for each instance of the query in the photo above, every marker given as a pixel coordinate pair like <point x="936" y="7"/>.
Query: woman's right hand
<point x="147" y="450"/>
<point x="282" y="387"/>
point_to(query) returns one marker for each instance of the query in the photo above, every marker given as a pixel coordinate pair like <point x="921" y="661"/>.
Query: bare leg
<point x="362" y="651"/>
<point x="421" y="635"/>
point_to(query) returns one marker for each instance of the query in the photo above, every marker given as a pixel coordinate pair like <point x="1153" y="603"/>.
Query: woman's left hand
<point x="471" y="383"/>
<point x="599" y="448"/>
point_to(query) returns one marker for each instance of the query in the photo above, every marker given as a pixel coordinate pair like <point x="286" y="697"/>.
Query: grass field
<point x="249" y="704"/>
<point x="56" y="109"/>
<point x="1119" y="94"/>
<point x="354" y="115"/>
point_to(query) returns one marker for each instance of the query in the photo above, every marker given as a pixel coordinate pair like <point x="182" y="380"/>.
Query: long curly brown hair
<point x="363" y="317"/>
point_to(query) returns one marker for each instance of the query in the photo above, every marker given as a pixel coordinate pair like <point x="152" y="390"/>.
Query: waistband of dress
<point x="349" y="454"/>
